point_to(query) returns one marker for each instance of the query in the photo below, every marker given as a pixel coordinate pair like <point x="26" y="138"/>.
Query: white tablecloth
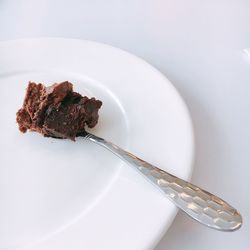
<point x="199" y="46"/>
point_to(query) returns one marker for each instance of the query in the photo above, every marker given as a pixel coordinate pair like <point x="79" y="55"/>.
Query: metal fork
<point x="201" y="205"/>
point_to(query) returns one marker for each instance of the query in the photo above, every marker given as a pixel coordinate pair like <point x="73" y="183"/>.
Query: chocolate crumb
<point x="57" y="111"/>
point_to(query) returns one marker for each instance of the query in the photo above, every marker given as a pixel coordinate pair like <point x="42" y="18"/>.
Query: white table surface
<point x="199" y="46"/>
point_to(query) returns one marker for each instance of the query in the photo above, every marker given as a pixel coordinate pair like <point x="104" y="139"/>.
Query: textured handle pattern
<point x="201" y="205"/>
<point x="196" y="202"/>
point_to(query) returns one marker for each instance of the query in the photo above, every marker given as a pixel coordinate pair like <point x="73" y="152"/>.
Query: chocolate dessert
<point x="57" y="111"/>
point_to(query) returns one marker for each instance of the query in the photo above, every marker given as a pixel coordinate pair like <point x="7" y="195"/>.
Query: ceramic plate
<point x="59" y="194"/>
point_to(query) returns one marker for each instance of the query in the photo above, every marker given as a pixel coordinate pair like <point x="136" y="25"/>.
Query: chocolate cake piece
<point x="57" y="111"/>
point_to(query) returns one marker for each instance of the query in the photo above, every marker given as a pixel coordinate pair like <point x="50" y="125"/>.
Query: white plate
<point x="57" y="194"/>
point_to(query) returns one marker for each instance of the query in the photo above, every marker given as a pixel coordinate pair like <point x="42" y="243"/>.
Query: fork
<point x="199" y="204"/>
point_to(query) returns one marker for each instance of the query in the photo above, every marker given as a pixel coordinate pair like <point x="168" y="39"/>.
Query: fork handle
<point x="201" y="205"/>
